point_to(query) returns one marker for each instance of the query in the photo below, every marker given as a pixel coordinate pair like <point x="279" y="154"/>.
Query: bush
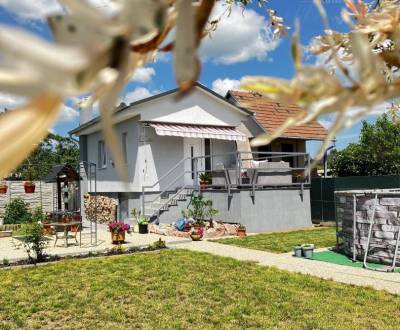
<point x="17" y="211"/>
<point x="34" y="241"/>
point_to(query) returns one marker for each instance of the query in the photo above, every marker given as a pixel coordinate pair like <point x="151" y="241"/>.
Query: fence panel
<point x="323" y="191"/>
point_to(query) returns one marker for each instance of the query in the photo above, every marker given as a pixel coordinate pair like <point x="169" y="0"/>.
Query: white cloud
<point x="10" y="101"/>
<point x="143" y="75"/>
<point x="241" y="36"/>
<point x="67" y="114"/>
<point x="32" y="9"/>
<point x="326" y="123"/>
<point x="221" y="86"/>
<point x="137" y="94"/>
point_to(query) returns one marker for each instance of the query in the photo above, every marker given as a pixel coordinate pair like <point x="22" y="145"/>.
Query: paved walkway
<point x="339" y="273"/>
<point x="12" y="250"/>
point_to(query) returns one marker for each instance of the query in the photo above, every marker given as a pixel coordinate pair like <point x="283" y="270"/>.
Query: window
<point x="125" y="146"/>
<point x="102" y="155"/>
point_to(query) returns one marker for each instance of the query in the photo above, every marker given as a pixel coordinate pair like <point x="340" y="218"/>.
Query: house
<point x="168" y="140"/>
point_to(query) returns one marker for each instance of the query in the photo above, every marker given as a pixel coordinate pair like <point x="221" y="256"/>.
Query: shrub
<point x="17" y="211"/>
<point x="34" y="242"/>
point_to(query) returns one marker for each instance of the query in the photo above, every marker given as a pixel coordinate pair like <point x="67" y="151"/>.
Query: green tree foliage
<point x="53" y="150"/>
<point x="17" y="211"/>
<point x="376" y="153"/>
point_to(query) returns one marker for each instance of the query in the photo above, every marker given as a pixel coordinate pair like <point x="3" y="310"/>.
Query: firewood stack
<point x="100" y="208"/>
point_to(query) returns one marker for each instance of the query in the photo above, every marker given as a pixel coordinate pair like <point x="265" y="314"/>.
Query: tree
<point x="376" y="153"/>
<point x="53" y="150"/>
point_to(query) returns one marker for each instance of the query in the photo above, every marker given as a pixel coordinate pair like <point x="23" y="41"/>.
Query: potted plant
<point x="143" y="225"/>
<point x="241" y="231"/>
<point x="3" y="188"/>
<point x="201" y="210"/>
<point x="141" y="220"/>
<point x="307" y="250"/>
<point x="29" y="186"/>
<point x="297" y="250"/>
<point x="197" y="234"/>
<point x="118" y="230"/>
<point x="205" y="180"/>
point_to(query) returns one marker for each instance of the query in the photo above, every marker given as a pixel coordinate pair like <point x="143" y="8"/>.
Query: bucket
<point x="297" y="251"/>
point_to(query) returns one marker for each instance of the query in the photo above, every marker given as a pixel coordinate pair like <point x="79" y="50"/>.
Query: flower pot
<point x="196" y="237"/>
<point x="118" y="238"/>
<point x="29" y="187"/>
<point x="203" y="184"/>
<point x="143" y="229"/>
<point x="47" y="229"/>
<point x="308" y="251"/>
<point x="3" y="189"/>
<point x="241" y="232"/>
<point x="297" y="250"/>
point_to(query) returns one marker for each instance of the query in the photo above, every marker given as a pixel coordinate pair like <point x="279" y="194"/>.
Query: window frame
<point x="102" y="154"/>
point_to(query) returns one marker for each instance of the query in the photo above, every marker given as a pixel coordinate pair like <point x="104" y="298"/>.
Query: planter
<point x="143" y="229"/>
<point x="203" y="184"/>
<point x="196" y="237"/>
<point x="47" y="230"/>
<point x="29" y="187"/>
<point x="241" y="232"/>
<point x="118" y="238"/>
<point x="3" y="189"/>
<point x="308" y="251"/>
<point x="298" y="251"/>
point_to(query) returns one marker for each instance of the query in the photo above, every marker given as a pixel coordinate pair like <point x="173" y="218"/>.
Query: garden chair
<point x="65" y="233"/>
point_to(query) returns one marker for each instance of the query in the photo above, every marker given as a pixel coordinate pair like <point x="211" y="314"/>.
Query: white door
<point x="193" y="148"/>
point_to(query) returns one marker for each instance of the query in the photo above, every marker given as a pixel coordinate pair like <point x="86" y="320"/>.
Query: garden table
<point x="66" y="228"/>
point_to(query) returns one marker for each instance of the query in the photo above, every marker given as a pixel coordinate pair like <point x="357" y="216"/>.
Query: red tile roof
<point x="271" y="115"/>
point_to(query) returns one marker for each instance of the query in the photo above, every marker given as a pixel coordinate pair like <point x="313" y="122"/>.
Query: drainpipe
<point x="326" y="158"/>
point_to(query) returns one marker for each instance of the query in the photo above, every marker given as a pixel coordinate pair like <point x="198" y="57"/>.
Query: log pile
<point x="100" y="208"/>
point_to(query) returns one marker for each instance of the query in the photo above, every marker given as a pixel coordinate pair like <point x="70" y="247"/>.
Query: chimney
<point x="85" y="111"/>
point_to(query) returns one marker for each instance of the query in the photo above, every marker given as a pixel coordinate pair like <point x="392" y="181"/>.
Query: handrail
<point x="168" y="173"/>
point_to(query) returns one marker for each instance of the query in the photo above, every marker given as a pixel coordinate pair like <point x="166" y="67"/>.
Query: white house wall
<point x="107" y="178"/>
<point x="198" y="107"/>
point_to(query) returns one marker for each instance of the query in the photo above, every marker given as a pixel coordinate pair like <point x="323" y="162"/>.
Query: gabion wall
<point x="384" y="234"/>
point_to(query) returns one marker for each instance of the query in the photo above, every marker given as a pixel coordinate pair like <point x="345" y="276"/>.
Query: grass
<point x="284" y="241"/>
<point x="178" y="289"/>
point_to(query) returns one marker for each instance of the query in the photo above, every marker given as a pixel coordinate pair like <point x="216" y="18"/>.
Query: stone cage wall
<point x="384" y="232"/>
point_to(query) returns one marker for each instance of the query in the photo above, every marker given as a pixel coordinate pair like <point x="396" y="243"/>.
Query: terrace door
<point x="193" y="147"/>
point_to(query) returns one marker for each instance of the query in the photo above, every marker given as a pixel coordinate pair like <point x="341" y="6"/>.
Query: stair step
<point x="182" y="197"/>
<point x="159" y="206"/>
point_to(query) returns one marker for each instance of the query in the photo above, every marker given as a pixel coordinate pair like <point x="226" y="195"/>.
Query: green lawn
<point x="284" y="241"/>
<point x="177" y="289"/>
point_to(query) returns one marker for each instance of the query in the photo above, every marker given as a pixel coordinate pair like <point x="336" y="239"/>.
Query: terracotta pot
<point x="241" y="232"/>
<point x="195" y="237"/>
<point x="47" y="230"/>
<point x="29" y="187"/>
<point x="118" y="238"/>
<point x="3" y="189"/>
<point x="203" y="184"/>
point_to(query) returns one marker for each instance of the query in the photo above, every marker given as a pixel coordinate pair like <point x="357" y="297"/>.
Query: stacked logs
<point x="100" y="208"/>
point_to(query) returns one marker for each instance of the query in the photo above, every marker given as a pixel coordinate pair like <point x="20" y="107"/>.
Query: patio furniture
<point x="219" y="175"/>
<point x="266" y="173"/>
<point x="68" y="230"/>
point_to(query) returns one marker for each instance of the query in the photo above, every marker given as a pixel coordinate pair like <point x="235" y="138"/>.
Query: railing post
<point x="143" y="201"/>
<point x="238" y="168"/>
<point x="195" y="171"/>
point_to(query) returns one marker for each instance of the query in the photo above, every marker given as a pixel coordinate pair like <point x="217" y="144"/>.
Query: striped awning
<point x="199" y="131"/>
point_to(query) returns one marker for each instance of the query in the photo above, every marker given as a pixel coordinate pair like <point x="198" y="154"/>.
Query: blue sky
<point x="241" y="46"/>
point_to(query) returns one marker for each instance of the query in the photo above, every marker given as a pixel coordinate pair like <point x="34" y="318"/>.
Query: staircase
<point x="154" y="209"/>
<point x="170" y="196"/>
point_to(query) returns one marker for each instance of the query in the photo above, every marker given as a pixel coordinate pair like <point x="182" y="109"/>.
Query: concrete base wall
<point x="275" y="209"/>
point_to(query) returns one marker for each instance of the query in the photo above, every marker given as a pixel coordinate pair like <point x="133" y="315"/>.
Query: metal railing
<point x="234" y="175"/>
